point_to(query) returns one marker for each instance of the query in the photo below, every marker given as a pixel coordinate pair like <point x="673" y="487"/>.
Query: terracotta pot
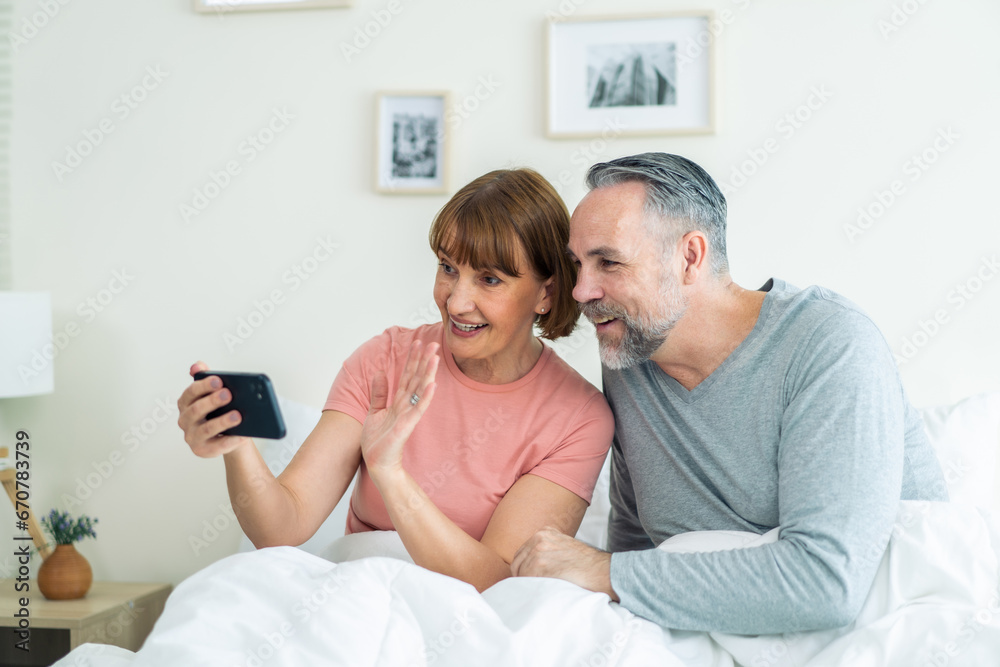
<point x="65" y="574"/>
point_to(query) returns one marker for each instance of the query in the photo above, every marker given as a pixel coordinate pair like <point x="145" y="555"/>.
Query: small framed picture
<point x="411" y="142"/>
<point x="224" y="6"/>
<point x="630" y="75"/>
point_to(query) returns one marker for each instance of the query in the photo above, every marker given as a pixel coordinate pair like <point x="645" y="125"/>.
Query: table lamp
<point x="26" y="358"/>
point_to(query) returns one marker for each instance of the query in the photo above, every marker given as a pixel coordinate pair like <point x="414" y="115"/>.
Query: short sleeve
<point x="351" y="390"/>
<point x="576" y="461"/>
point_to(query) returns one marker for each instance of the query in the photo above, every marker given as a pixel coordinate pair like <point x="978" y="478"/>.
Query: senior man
<point x="736" y="409"/>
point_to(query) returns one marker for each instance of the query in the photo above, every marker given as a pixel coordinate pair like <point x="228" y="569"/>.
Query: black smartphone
<point x="254" y="399"/>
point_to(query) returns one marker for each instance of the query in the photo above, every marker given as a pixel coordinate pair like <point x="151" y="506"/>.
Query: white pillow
<point x="381" y="543"/>
<point x="594" y="527"/>
<point x="300" y="420"/>
<point x="966" y="437"/>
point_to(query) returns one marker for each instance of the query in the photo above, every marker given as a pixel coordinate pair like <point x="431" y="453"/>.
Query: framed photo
<point x="630" y="75"/>
<point x="224" y="6"/>
<point x="411" y="142"/>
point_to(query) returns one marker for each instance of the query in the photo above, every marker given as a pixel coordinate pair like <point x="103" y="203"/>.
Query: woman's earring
<point x="543" y="310"/>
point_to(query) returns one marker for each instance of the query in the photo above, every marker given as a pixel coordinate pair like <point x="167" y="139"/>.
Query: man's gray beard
<point x="645" y="333"/>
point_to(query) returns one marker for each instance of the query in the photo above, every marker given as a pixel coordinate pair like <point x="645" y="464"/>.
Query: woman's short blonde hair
<point x="489" y="220"/>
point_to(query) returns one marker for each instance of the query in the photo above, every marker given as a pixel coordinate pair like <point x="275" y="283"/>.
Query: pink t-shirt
<point x="476" y="440"/>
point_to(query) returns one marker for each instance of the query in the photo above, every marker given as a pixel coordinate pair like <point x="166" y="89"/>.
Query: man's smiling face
<point x="626" y="285"/>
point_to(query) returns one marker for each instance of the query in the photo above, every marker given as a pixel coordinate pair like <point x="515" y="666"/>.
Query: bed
<point x="935" y="601"/>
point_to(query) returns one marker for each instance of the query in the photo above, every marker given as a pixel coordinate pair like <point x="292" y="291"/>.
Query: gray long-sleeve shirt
<point x="804" y="426"/>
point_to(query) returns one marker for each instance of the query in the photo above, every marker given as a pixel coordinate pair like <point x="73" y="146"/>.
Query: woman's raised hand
<point x="390" y="423"/>
<point x="200" y="398"/>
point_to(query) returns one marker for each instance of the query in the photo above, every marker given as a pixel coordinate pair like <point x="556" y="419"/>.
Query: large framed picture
<point x="630" y="75"/>
<point x="411" y="142"/>
<point x="223" y="6"/>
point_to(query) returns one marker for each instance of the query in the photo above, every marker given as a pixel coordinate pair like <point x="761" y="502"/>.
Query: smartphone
<point x="254" y="399"/>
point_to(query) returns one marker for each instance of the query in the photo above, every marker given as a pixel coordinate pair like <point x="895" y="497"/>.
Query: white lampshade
<point x="27" y="353"/>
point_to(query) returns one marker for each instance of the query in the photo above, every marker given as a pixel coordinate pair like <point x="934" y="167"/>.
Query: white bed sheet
<point x="935" y="602"/>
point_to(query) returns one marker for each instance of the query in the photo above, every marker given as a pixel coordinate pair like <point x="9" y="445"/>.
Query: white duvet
<point x="935" y="602"/>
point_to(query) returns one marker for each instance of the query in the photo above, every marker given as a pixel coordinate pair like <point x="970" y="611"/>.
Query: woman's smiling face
<point x="488" y="315"/>
<point x="500" y="242"/>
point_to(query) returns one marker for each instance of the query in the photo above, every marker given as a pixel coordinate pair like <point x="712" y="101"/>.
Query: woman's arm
<point x="273" y="511"/>
<point x="289" y="509"/>
<point x="435" y="542"/>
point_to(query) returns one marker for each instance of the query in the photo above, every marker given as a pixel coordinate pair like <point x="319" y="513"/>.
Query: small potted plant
<point x="66" y="574"/>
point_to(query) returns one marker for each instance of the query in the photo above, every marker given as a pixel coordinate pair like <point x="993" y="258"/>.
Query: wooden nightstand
<point x="120" y="614"/>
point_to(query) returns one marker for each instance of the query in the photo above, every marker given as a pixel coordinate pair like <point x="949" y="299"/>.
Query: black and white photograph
<point x="414" y="145"/>
<point x="630" y="75"/>
<point x="411" y="143"/>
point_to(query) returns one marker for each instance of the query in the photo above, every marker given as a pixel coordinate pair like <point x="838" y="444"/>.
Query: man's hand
<point x="550" y="553"/>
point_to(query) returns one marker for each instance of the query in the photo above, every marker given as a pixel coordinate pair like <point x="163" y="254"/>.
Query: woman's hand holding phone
<point x="200" y="398"/>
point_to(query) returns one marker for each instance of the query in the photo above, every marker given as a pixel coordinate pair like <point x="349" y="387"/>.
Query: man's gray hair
<point x="680" y="197"/>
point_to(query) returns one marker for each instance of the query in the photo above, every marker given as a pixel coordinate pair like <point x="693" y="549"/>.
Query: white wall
<point x="190" y="283"/>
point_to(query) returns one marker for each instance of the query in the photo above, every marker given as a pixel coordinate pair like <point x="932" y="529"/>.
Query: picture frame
<point x="641" y="75"/>
<point x="412" y="142"/>
<point x="226" y="6"/>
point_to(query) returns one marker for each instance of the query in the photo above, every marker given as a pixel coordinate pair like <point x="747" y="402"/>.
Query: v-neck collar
<point x="746" y="346"/>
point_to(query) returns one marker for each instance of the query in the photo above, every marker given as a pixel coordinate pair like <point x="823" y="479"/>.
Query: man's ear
<point x="693" y="248"/>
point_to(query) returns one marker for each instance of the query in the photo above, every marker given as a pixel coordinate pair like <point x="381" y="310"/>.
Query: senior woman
<point x="470" y="434"/>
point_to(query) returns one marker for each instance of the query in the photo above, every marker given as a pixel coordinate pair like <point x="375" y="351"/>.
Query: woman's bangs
<point x="483" y="245"/>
